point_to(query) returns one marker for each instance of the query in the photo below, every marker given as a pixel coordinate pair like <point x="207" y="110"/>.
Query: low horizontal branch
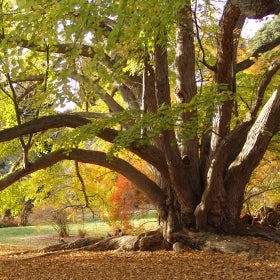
<point x="145" y="184"/>
<point x="150" y="154"/>
<point x="262" y="49"/>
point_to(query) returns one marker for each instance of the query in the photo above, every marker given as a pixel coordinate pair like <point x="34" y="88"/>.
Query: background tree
<point x="120" y="62"/>
<point x="263" y="189"/>
<point x="126" y="203"/>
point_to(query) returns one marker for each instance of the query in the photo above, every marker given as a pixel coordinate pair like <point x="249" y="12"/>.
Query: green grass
<point x="34" y="236"/>
<point x="40" y="236"/>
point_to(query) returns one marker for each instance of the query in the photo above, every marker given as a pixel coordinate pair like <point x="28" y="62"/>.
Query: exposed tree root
<point x="269" y="233"/>
<point x="79" y="243"/>
<point x="153" y="240"/>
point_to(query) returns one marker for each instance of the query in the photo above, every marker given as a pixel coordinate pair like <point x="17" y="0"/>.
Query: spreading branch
<point x="252" y="59"/>
<point x="42" y="124"/>
<point x="258" y="138"/>
<point x="144" y="184"/>
<point x="148" y="153"/>
<point x="266" y="79"/>
<point x="237" y="137"/>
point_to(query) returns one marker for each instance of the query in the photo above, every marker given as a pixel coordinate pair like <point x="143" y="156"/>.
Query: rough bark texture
<point x="253" y="150"/>
<point x="195" y="185"/>
<point x="257" y="8"/>
<point x="209" y="211"/>
<point x="185" y="91"/>
<point x="153" y="240"/>
<point x="176" y="167"/>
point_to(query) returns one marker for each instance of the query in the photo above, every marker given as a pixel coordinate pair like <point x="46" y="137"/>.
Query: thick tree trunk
<point x="185" y="91"/>
<point x="176" y="168"/>
<point x="227" y="173"/>
<point x="209" y="212"/>
<point x="170" y="220"/>
<point x="258" y="138"/>
<point x="221" y="209"/>
<point x="257" y="8"/>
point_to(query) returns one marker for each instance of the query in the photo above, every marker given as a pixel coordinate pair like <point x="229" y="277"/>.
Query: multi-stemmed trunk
<point x="207" y="185"/>
<point x="199" y="179"/>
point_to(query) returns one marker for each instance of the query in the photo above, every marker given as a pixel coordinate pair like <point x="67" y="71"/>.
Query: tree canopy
<point x="171" y="82"/>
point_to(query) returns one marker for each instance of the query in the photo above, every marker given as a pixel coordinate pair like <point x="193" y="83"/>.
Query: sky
<point x="252" y="26"/>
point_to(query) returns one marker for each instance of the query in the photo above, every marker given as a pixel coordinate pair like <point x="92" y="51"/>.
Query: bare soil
<point x="190" y="264"/>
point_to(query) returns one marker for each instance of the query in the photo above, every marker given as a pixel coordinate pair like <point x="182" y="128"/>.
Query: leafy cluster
<point x="94" y="60"/>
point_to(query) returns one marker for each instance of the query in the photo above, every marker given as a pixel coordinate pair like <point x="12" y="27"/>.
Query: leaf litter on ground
<point x="190" y="264"/>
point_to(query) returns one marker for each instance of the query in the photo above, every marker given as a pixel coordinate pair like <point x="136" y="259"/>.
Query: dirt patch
<point x="191" y="264"/>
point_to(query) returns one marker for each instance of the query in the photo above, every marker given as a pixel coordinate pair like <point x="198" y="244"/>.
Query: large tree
<point x="159" y="79"/>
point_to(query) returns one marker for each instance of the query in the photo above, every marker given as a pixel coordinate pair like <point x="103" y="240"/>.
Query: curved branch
<point x="237" y="137"/>
<point x="262" y="49"/>
<point x="148" y="153"/>
<point x="84" y="50"/>
<point x="257" y="9"/>
<point x="149" y="187"/>
<point x="62" y="48"/>
<point x="42" y="124"/>
<point x="258" y="138"/>
<point x="112" y="104"/>
<point x="266" y="79"/>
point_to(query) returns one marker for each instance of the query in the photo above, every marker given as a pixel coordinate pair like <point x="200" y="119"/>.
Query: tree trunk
<point x="178" y="175"/>
<point x="257" y="9"/>
<point x="26" y="209"/>
<point x="198" y="183"/>
<point x="257" y="141"/>
<point x="185" y="91"/>
<point x="170" y="220"/>
<point x="221" y="206"/>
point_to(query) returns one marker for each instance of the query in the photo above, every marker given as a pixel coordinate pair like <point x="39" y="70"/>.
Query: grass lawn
<point x="44" y="235"/>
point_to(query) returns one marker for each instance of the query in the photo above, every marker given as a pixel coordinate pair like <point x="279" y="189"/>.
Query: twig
<point x="259" y="193"/>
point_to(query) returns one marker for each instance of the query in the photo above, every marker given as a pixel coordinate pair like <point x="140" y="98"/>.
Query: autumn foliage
<point x="263" y="189"/>
<point x="125" y="199"/>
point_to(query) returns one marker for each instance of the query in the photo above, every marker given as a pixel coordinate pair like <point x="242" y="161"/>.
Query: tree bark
<point x="257" y="9"/>
<point x="196" y="183"/>
<point x="258" y="138"/>
<point x="184" y="92"/>
<point x="177" y="171"/>
<point x="209" y="211"/>
<point x="225" y="75"/>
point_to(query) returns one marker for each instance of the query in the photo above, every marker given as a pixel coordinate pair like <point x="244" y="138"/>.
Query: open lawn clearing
<point x="44" y="235"/>
<point x="34" y="237"/>
<point x="191" y="264"/>
<point x="83" y="265"/>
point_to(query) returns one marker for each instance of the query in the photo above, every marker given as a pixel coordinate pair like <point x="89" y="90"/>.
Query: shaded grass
<point x="44" y="235"/>
<point x="32" y="237"/>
